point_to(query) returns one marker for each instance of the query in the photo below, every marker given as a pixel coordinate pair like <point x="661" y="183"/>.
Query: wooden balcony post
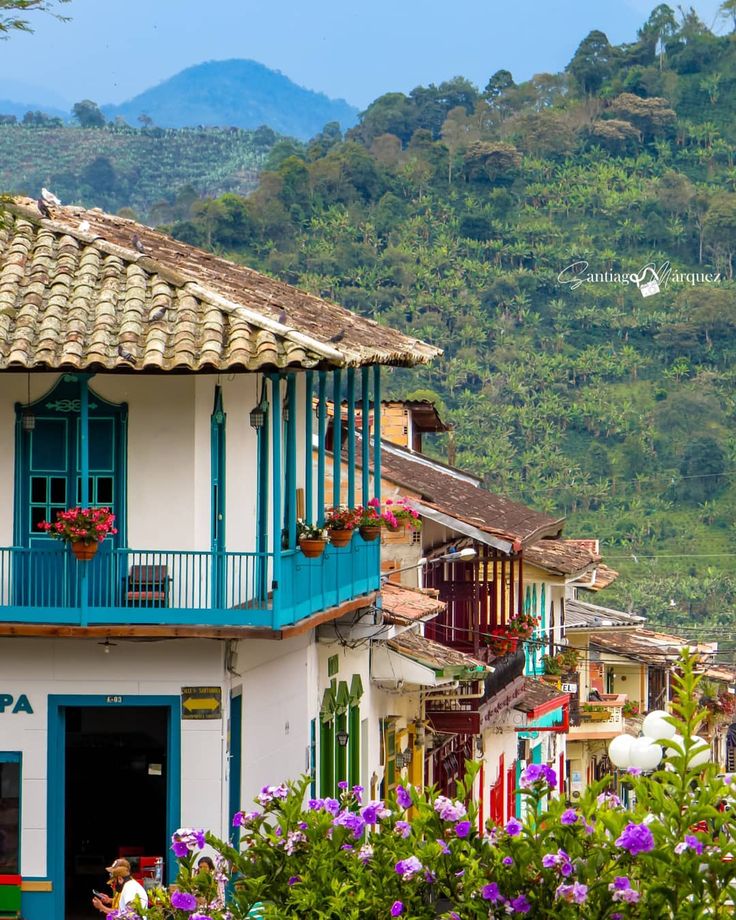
<point x="337" y="437"/>
<point x="84" y="485"/>
<point x="520" y="602"/>
<point x="308" y="452"/>
<point x="365" y="434"/>
<point x="351" y="436"/>
<point x="321" y="437"/>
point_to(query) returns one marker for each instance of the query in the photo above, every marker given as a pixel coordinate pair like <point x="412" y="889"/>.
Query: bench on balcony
<point x="147" y="586"/>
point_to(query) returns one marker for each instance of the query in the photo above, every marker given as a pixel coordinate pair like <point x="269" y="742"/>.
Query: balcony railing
<point x="180" y="587"/>
<point x="600" y="717"/>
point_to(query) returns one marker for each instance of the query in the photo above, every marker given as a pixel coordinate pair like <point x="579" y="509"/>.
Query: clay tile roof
<point x="599" y="577"/>
<point x="78" y="298"/>
<point x="564" y="557"/>
<point x="404" y="604"/>
<point x="536" y="693"/>
<point x="441" y="658"/>
<point x="647" y="645"/>
<point x="460" y="496"/>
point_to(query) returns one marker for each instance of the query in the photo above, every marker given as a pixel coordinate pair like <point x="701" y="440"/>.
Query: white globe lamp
<point x="644" y="754"/>
<point x="656" y="726"/>
<point x="619" y="751"/>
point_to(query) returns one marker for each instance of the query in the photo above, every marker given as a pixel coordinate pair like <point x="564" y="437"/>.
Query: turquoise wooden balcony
<point x="131" y="586"/>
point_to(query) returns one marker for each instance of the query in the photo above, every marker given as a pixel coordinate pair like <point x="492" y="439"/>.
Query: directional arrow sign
<point x="201" y="702"/>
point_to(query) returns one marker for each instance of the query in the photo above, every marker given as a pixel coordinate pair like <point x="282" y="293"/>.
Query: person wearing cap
<point x="128" y="892"/>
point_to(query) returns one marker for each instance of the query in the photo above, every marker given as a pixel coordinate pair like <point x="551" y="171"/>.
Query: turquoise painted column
<point x="321" y="437"/>
<point x="276" y="474"/>
<point x="351" y="437"/>
<point x="336" y="437"/>
<point x="84" y="488"/>
<point x="377" y="431"/>
<point x="365" y="434"/>
<point x="308" y="437"/>
<point x="291" y="459"/>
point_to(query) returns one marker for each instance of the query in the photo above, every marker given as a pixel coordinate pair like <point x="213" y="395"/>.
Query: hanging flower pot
<point x="370" y="532"/>
<point x="312" y="548"/>
<point x="394" y="528"/>
<point x="84" y="550"/>
<point x="341" y="537"/>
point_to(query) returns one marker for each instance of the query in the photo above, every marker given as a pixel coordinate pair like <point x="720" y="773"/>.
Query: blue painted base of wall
<point x="38" y="905"/>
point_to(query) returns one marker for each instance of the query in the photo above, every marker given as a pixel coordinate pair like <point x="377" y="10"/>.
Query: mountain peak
<point x="239" y="93"/>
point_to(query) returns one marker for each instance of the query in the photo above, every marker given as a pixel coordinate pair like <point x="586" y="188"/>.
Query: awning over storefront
<point x="402" y="605"/>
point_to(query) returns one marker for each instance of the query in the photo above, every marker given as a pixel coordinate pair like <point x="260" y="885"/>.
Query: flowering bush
<point x="346" y="859"/>
<point x="400" y="512"/>
<point x="341" y="518"/>
<point x="630" y="708"/>
<point x="86" y="525"/>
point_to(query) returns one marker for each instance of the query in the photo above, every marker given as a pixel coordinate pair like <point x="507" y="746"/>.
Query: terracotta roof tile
<point x="400" y="603"/>
<point x="565" y="557"/>
<point x="437" y="656"/>
<point x="69" y="298"/>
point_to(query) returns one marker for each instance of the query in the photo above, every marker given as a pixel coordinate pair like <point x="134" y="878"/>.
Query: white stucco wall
<point x="40" y="667"/>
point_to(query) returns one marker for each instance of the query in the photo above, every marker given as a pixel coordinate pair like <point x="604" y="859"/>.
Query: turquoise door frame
<point x="235" y="759"/>
<point x="218" y="501"/>
<point x="56" y="782"/>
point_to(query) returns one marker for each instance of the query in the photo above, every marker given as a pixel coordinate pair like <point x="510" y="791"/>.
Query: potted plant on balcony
<point x="340" y="523"/>
<point x="398" y="514"/>
<point x="630" y="708"/>
<point x="82" y="528"/>
<point x="311" y="538"/>
<point x="503" y="640"/>
<point x="368" y="519"/>
<point x="590" y="713"/>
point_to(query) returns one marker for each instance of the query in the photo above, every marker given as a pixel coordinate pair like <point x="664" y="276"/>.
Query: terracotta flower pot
<point x="84" y="550"/>
<point x="394" y="528"/>
<point x="370" y="532"/>
<point x="312" y="548"/>
<point x="341" y="537"/>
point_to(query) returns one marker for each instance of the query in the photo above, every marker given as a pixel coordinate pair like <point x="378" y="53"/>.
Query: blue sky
<point x="113" y="49"/>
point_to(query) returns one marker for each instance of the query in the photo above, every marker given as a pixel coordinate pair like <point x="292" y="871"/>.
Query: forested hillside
<point x="114" y="166"/>
<point x="451" y="212"/>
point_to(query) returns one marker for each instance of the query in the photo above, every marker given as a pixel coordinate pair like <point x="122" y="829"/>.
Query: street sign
<point x="569" y="688"/>
<point x="201" y="702"/>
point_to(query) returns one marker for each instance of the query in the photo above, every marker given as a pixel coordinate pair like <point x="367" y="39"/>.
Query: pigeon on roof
<point x="43" y="208"/>
<point x="50" y="198"/>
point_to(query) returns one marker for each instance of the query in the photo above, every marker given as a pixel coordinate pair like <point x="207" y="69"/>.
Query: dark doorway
<point x="115" y="779"/>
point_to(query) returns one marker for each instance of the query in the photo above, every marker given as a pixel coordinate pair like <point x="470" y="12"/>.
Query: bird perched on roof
<point x="282" y="317"/>
<point x="50" y="198"/>
<point x="126" y="355"/>
<point x="157" y="315"/>
<point x="84" y="226"/>
<point x="43" y="208"/>
<point x="337" y="337"/>
<point x="136" y="243"/>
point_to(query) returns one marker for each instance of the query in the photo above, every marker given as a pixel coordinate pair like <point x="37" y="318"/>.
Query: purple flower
<point x="199" y="916"/>
<point x="332" y="806"/>
<point x="538" y="773"/>
<point x="507" y="861"/>
<point x="609" y="799"/>
<point x="180" y="849"/>
<point x="449" y="810"/>
<point x="462" y="828"/>
<point x="373" y="811"/>
<point x="293" y="839"/>
<point x="622" y="891"/>
<point x="403" y="827"/>
<point x="513" y="827"/>
<point x="358" y="792"/>
<point x="365" y="854"/>
<point x="243" y="818"/>
<point x="295" y="879"/>
<point x="575" y="893"/>
<point x="397" y="909"/>
<point x="186" y="840"/>
<point x="353" y="822"/>
<point x="569" y="816"/>
<point x="407" y="868"/>
<point x="444" y="847"/>
<point x="183" y="900"/>
<point x="316" y="804"/>
<point x="491" y="893"/>
<point x="636" y="838"/>
<point x="342" y="784"/>
<point x="269" y="793"/>
<point x="521" y="905"/>
<point x="403" y="797"/>
<point x="634" y="771"/>
<point x="689" y="843"/>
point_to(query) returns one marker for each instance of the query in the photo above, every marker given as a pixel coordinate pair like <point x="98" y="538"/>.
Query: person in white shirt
<point x="132" y="893"/>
